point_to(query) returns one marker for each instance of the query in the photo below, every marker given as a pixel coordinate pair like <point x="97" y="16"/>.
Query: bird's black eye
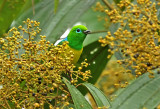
<point x="78" y="30"/>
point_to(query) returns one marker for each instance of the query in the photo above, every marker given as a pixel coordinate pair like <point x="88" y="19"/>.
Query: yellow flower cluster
<point x="99" y="7"/>
<point x="31" y="71"/>
<point x="137" y="37"/>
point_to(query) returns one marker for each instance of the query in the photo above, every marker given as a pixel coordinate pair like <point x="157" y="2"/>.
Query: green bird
<point x="76" y="38"/>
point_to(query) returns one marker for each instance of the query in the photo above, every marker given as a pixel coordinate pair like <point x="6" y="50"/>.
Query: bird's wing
<point x="61" y="42"/>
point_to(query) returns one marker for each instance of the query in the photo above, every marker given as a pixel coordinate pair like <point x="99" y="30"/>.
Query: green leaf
<point x="142" y="93"/>
<point x="22" y="84"/>
<point x="8" y="12"/>
<point x="46" y="106"/>
<point x="99" y="97"/>
<point x="11" y="104"/>
<point x="54" y="25"/>
<point x="56" y="2"/>
<point x="79" y="100"/>
<point x="97" y="58"/>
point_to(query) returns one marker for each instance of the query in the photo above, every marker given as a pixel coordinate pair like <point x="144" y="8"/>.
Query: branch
<point x="108" y="4"/>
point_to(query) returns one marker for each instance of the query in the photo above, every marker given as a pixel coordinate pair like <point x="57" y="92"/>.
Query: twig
<point x="78" y="85"/>
<point x="16" y="59"/>
<point x="3" y="106"/>
<point x="7" y="104"/>
<point x="108" y="4"/>
<point x="33" y="7"/>
<point x="145" y="14"/>
<point x="97" y="32"/>
<point x="55" y="98"/>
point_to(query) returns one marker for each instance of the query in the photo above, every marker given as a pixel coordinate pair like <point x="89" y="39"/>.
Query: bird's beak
<point x="87" y="32"/>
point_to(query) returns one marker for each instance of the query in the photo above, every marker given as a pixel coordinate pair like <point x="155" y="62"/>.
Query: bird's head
<point x="77" y="35"/>
<point x="78" y="32"/>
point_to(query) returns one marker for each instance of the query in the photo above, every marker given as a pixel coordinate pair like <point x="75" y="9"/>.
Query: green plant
<point x="40" y="75"/>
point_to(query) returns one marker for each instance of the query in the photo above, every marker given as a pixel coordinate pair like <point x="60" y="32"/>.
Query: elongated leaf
<point x="100" y="99"/>
<point x="142" y="93"/>
<point x="8" y="12"/>
<point x="56" y="2"/>
<point x="54" y="25"/>
<point x="79" y="101"/>
<point x="97" y="58"/>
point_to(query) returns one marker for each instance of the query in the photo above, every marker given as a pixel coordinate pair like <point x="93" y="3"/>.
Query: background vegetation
<point x="118" y="80"/>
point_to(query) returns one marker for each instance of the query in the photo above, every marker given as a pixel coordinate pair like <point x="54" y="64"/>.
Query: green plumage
<point x="75" y="38"/>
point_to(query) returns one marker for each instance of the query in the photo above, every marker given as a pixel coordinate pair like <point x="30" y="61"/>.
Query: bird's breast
<point x="77" y="54"/>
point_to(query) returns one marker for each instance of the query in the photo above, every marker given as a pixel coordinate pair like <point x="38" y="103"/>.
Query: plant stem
<point x="78" y="85"/>
<point x="7" y="104"/>
<point x="3" y="106"/>
<point x="108" y="4"/>
<point x="56" y="98"/>
<point x="33" y="7"/>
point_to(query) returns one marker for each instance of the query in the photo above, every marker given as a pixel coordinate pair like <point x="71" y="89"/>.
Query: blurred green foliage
<point x="9" y="10"/>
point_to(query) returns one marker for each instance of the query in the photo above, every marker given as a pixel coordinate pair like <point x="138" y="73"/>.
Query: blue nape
<point x="65" y="39"/>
